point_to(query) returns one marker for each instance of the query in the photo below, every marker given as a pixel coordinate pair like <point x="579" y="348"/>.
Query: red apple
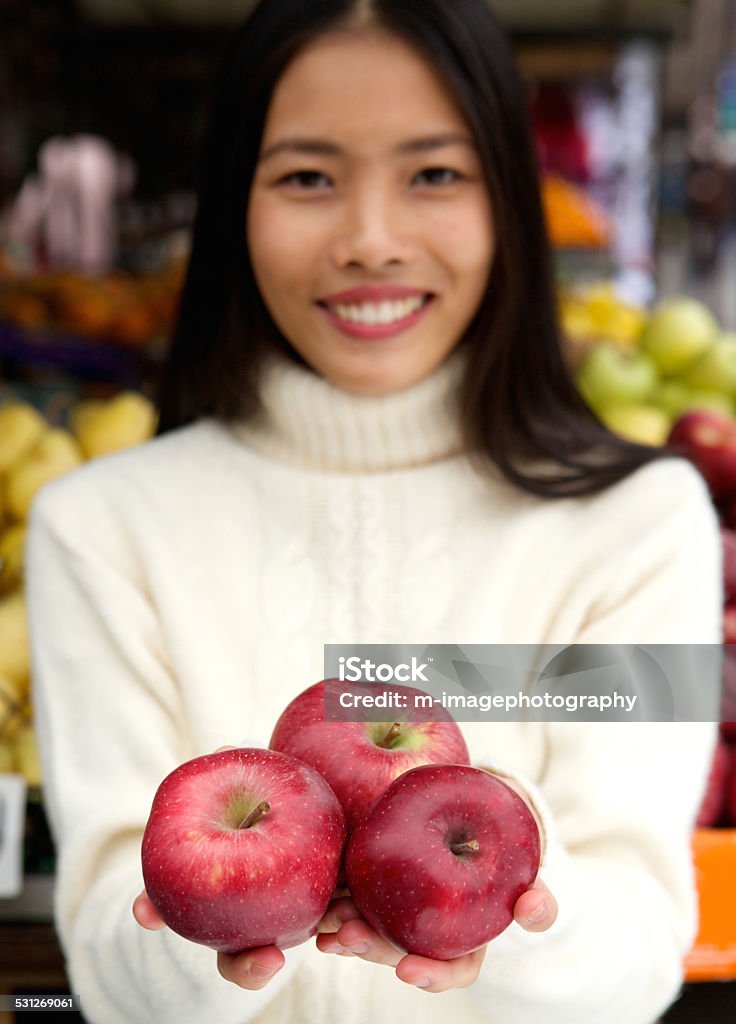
<point x="728" y="545"/>
<point x="727" y="511"/>
<point x="242" y="849"/>
<point x="716" y="789"/>
<point x="439" y="862"/>
<point x="708" y="439"/>
<point x="359" y="759"/>
<point x="728" y="689"/>
<point x="731" y="801"/>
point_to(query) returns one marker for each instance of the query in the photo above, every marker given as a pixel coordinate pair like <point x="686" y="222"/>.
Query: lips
<point x="369" y="329"/>
<point x="372" y="293"/>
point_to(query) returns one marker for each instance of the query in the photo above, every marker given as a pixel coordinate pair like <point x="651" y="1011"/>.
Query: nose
<point x="371" y="232"/>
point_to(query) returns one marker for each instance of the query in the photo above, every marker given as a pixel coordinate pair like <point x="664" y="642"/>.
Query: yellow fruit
<point x="105" y="427"/>
<point x="20" y="428"/>
<point x="83" y="415"/>
<point x="55" y="454"/>
<point x="13" y="708"/>
<point x="12" y="557"/>
<point x="7" y="756"/>
<point x="26" y="755"/>
<point x="643" y="424"/>
<point x="15" y="659"/>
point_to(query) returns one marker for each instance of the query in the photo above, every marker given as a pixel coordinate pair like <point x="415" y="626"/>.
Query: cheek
<point x="281" y="251"/>
<point x="466" y="242"/>
<point x="263" y="237"/>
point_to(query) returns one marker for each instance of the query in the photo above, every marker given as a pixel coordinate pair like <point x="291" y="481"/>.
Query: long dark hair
<point x="520" y="407"/>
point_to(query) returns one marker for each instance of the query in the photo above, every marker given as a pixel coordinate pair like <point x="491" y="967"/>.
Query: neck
<point x="308" y="421"/>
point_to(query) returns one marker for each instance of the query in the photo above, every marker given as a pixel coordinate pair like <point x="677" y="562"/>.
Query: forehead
<point x="355" y="83"/>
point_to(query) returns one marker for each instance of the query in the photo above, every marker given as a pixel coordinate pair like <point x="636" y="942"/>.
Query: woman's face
<point x="368" y="183"/>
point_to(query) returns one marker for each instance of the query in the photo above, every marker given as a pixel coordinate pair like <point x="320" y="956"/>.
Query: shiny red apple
<point x="242" y="849"/>
<point x="716" y="790"/>
<point x="731" y="801"/>
<point x="359" y="759"/>
<point x="708" y="440"/>
<point x="728" y="546"/>
<point x="439" y="862"/>
<point x="727" y="510"/>
<point x="728" y="687"/>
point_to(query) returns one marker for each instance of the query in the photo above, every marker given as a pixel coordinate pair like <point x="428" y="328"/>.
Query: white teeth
<point x="379" y="313"/>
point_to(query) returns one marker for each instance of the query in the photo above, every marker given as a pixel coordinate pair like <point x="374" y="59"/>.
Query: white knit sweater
<point x="180" y="595"/>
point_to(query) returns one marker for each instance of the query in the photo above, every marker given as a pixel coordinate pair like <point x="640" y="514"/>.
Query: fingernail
<point x="262" y="971"/>
<point x="359" y="947"/>
<point x="337" y="948"/>
<point x="423" y="983"/>
<point x="539" y="914"/>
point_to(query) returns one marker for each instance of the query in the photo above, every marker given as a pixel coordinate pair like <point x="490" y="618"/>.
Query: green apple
<point x="716" y="368"/>
<point x="679" y="331"/>
<point x="716" y="401"/>
<point x="644" y="424"/>
<point x="675" y="398"/>
<point x="611" y="376"/>
<point x="672" y="396"/>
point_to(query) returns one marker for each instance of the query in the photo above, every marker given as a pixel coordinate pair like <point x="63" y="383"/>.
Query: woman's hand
<point x="251" y="970"/>
<point x="342" y="930"/>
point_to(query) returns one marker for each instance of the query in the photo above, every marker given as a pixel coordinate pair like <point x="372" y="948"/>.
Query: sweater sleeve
<point x="618" y="803"/>
<point x="111" y="725"/>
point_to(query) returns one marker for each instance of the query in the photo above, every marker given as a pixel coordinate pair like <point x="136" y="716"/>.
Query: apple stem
<point x="390" y="736"/>
<point x="467" y="846"/>
<point x="255" y="815"/>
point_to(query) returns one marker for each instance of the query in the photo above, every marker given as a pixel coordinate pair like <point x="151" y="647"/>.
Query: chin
<point x="368" y="389"/>
<point x="374" y="381"/>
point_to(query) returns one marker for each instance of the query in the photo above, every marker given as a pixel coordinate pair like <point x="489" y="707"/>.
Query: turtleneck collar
<point x="308" y="421"/>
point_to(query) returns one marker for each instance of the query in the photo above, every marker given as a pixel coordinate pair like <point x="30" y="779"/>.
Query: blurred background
<point x="102" y="106"/>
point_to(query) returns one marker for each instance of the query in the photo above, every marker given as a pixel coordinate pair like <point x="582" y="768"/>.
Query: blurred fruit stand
<point x="81" y="340"/>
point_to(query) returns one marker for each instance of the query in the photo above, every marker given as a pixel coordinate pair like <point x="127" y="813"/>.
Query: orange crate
<point x="713" y="957"/>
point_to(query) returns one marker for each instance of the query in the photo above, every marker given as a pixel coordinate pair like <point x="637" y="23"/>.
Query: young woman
<point x="368" y="435"/>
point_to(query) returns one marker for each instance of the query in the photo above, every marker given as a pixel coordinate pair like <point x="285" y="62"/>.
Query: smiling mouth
<point x="378" y="314"/>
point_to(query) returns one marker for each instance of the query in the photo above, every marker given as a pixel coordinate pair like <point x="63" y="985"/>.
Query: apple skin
<point x="708" y="439"/>
<point x="728" y="691"/>
<point x="610" y="375"/>
<point x="731" y="802"/>
<point x="413" y="889"/>
<point x="346" y="753"/>
<point x="728" y="547"/>
<point x="679" y="331"/>
<point x="716" y="793"/>
<point x="237" y="888"/>
<point x="715" y="370"/>
<point x="642" y="424"/>
<point x="727" y="512"/>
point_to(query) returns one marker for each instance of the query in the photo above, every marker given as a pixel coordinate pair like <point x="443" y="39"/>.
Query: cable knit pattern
<point x="181" y="593"/>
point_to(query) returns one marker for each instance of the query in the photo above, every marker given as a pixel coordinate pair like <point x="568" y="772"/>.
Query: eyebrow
<point x="321" y="147"/>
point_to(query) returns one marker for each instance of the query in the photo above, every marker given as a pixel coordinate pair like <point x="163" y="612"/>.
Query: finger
<point x="228" y="746"/>
<point x="252" y="970"/>
<point x="146" y="914"/>
<point x="338" y="912"/>
<point x="536" y="909"/>
<point x="440" y="975"/>
<point x="358" y="938"/>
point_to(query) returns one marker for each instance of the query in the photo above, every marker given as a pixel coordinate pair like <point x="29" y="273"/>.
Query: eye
<point x="306" y="180"/>
<point x="440" y="175"/>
